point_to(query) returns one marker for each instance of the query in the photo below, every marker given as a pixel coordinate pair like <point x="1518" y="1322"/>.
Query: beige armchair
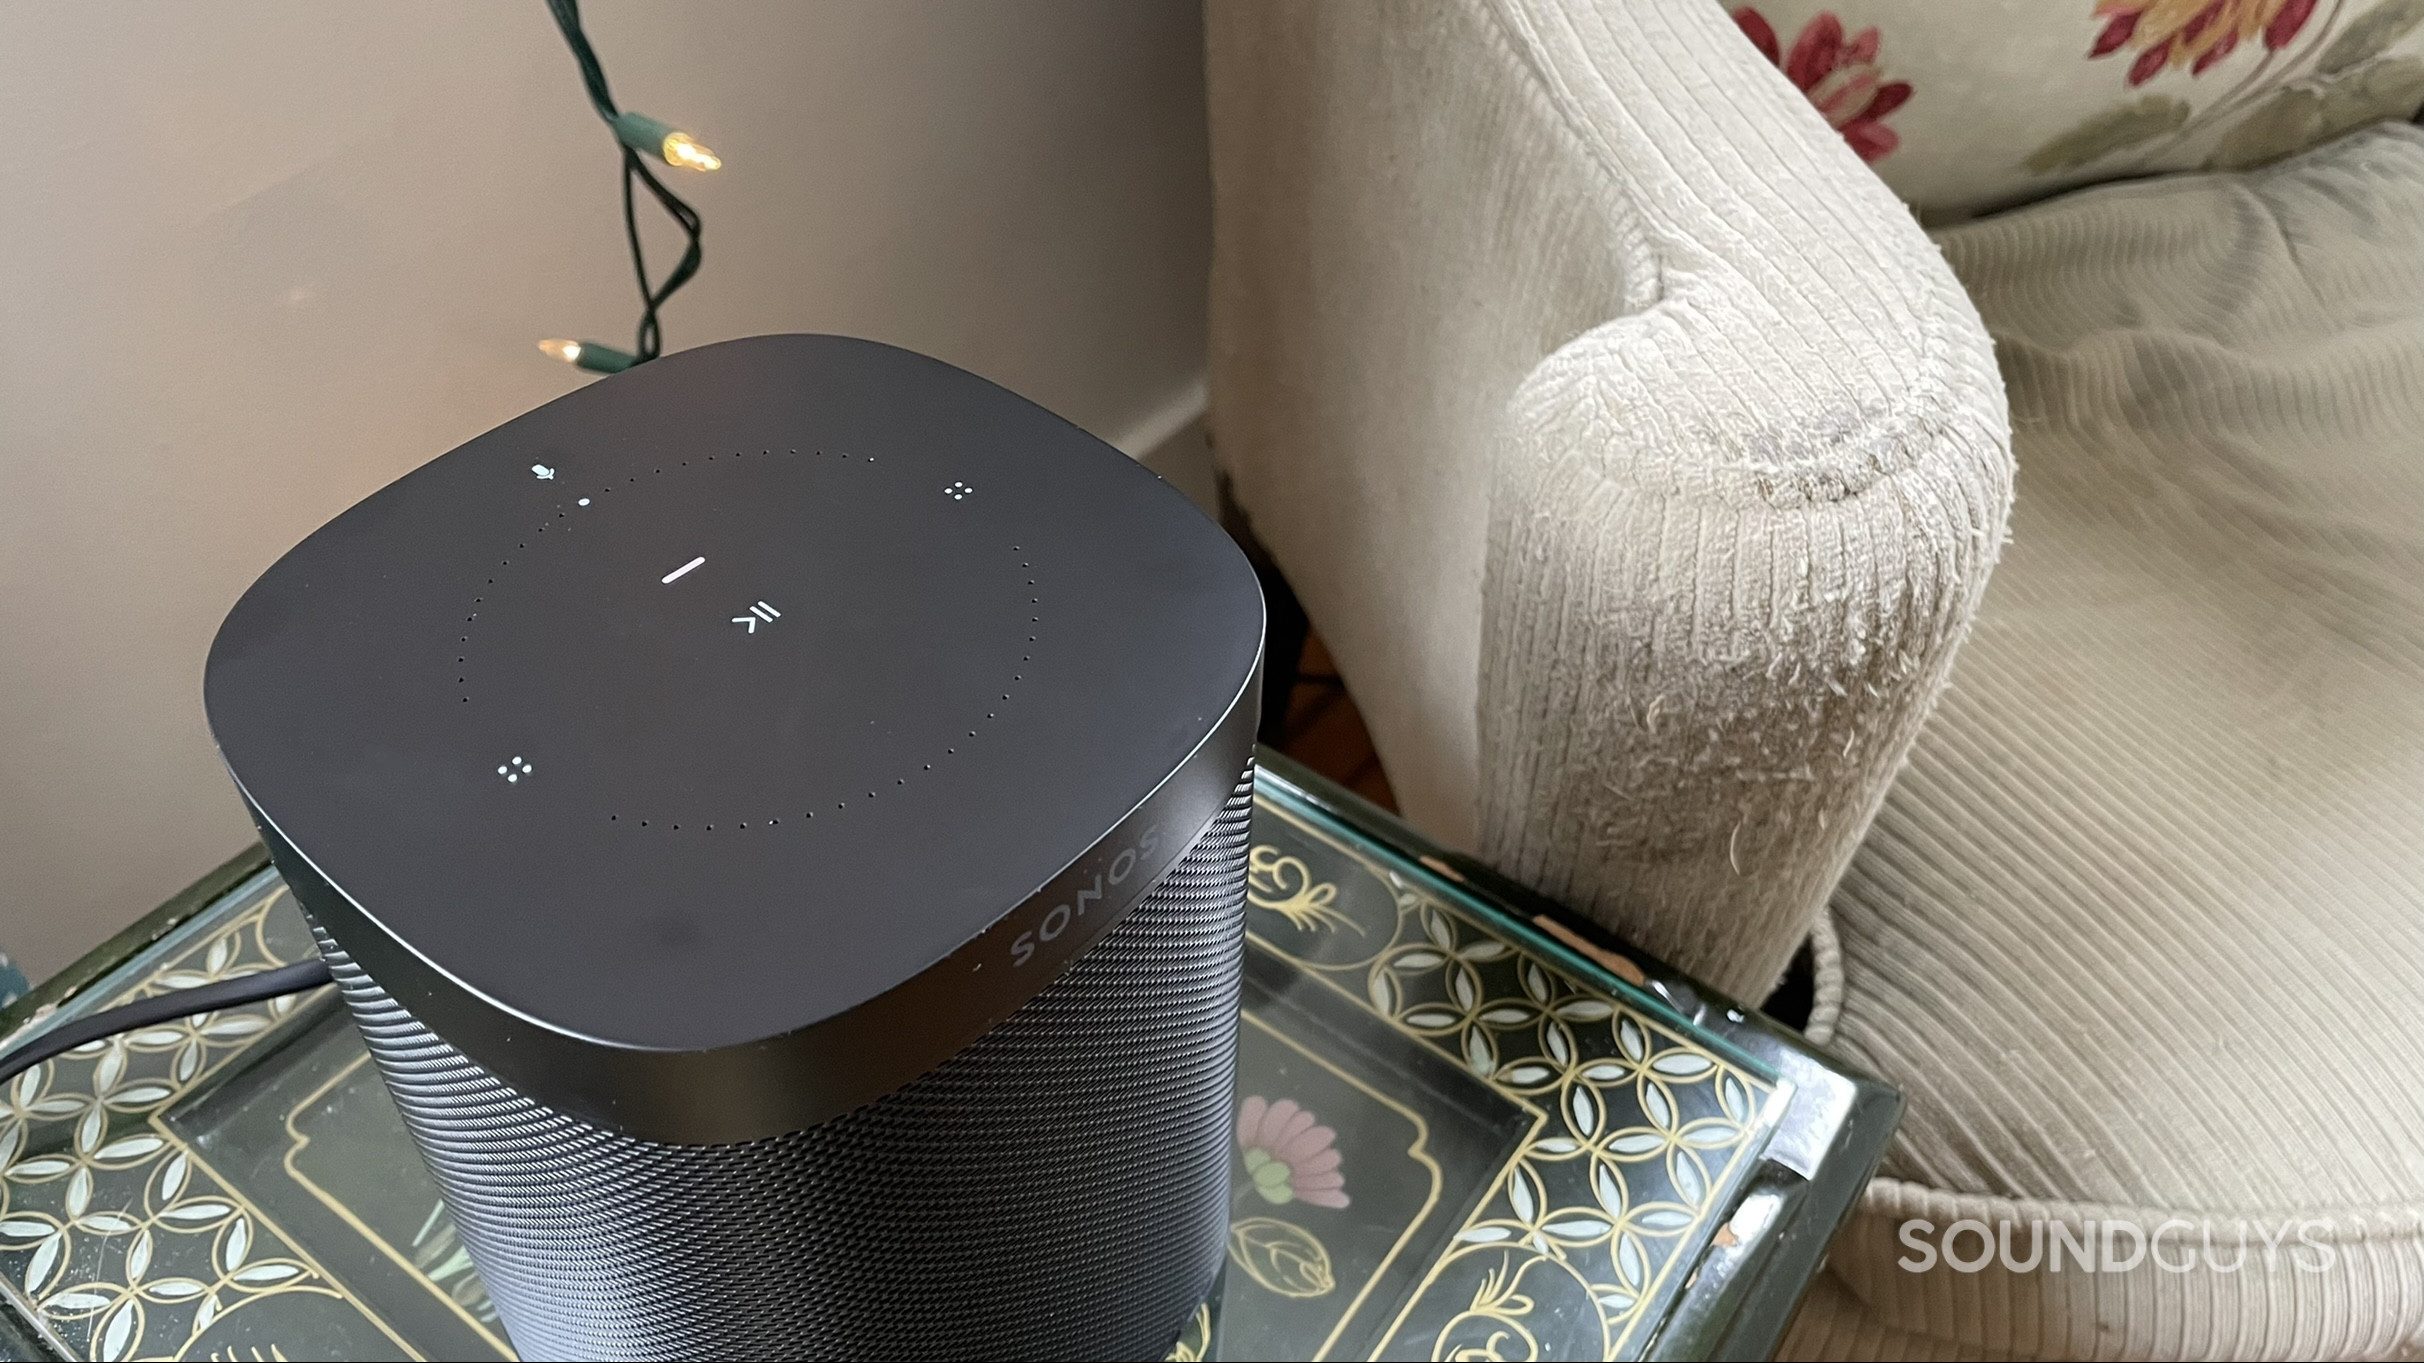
<point x="1643" y="463"/>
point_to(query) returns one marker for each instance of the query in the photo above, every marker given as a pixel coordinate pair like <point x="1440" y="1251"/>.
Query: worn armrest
<point x="1631" y="446"/>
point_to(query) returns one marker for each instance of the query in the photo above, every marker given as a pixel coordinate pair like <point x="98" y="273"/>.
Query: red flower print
<point x="2192" y="33"/>
<point x="1839" y="74"/>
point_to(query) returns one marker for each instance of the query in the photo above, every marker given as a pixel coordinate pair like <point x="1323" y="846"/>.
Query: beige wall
<point x="263" y="257"/>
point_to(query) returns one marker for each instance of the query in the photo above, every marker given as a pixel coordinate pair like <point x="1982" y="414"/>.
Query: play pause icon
<point x="761" y="613"/>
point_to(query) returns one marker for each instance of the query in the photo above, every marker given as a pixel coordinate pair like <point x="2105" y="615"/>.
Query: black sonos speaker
<point x="778" y="817"/>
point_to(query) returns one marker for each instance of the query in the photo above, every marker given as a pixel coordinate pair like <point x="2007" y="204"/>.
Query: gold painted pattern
<point x="118" y="1240"/>
<point x="436" y="1258"/>
<point x="1640" y="1132"/>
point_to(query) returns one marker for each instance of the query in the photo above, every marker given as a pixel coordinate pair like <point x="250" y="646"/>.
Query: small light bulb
<point x="681" y="149"/>
<point x="589" y="355"/>
<point x="656" y="137"/>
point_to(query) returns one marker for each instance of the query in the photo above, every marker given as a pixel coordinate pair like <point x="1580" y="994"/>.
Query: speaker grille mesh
<point x="1057" y="1189"/>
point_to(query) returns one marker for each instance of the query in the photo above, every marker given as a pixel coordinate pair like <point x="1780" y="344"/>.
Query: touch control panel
<point x="722" y="609"/>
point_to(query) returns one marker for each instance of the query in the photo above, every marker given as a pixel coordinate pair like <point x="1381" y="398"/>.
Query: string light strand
<point x="641" y="137"/>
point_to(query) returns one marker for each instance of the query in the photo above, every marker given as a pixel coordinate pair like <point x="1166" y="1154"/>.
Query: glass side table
<point x="1551" y="1148"/>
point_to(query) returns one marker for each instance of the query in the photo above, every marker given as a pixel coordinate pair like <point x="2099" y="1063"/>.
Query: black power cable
<point x="206" y="998"/>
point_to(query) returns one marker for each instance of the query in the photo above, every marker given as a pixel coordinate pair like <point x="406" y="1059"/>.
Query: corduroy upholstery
<point x="1643" y="465"/>
<point x="2140" y="931"/>
<point x="1634" y="453"/>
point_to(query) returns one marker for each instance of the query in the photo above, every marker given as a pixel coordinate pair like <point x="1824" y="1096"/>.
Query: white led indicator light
<point x="669" y="577"/>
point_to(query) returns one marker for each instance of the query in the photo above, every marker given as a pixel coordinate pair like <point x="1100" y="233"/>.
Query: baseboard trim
<point x="1171" y="441"/>
<point x="1168" y="420"/>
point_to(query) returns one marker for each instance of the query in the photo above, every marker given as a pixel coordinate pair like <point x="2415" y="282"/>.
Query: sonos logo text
<point x="1057" y="919"/>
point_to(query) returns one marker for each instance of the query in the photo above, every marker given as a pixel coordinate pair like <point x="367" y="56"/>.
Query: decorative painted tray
<point x="1466" y="1128"/>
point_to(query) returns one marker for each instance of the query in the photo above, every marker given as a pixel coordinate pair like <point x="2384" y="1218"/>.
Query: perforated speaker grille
<point x="1057" y="1189"/>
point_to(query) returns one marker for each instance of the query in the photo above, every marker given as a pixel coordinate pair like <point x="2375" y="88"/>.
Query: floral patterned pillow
<point x="1970" y="105"/>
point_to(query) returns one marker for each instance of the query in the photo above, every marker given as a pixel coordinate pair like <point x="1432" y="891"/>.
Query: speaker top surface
<point x="727" y="697"/>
